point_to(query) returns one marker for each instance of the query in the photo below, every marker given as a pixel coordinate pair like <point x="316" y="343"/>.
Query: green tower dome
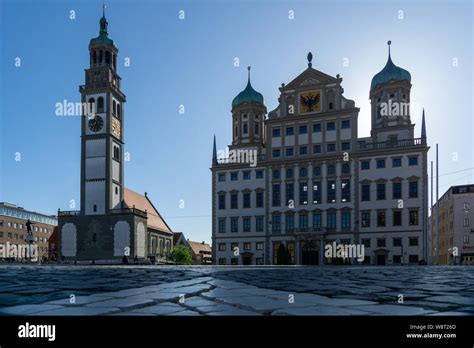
<point x="248" y="95"/>
<point x="390" y="72"/>
<point x="103" y="38"/>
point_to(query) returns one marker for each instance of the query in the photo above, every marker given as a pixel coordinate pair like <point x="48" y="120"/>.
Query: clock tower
<point x="102" y="184"/>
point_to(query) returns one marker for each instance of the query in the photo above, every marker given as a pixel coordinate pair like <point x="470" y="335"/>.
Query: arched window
<point x="107" y="57"/>
<point x="91" y="106"/>
<point x="114" y="108"/>
<point x="118" y="111"/>
<point x="95" y="57"/>
<point x="246" y="128"/>
<point x="100" y="104"/>
<point x="100" y="56"/>
<point x="256" y="129"/>
<point x="115" y="61"/>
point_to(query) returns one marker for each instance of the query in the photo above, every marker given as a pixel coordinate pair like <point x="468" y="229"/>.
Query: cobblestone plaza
<point x="214" y="290"/>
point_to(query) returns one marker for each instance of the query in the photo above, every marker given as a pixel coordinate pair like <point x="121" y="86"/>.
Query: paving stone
<point x="385" y="309"/>
<point x="318" y="310"/>
<point x="73" y="311"/>
<point x="27" y="309"/>
<point x="161" y="309"/>
<point x="122" y="303"/>
<point x="453" y="299"/>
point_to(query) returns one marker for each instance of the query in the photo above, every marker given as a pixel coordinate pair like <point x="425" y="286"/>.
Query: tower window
<point x="115" y="61"/>
<point x="91" y="106"/>
<point x="330" y="106"/>
<point x="246" y="128"/>
<point x="95" y="208"/>
<point x="100" y="104"/>
<point x="114" y="106"/>
<point x="116" y="190"/>
<point x="107" y="57"/>
<point x="94" y="237"/>
<point x="94" y="57"/>
<point x="256" y="129"/>
<point x="100" y="57"/>
<point x="118" y="111"/>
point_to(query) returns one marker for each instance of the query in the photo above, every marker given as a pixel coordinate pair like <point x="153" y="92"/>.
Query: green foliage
<point x="182" y="256"/>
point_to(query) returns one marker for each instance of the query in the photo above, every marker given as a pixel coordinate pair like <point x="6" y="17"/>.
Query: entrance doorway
<point x="247" y="260"/>
<point x="381" y="260"/>
<point x="310" y="254"/>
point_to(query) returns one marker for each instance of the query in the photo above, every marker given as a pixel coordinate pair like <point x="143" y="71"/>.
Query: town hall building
<point x="113" y="221"/>
<point x="315" y="182"/>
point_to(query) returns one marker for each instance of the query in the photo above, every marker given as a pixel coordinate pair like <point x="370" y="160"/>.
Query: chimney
<point x="203" y="243"/>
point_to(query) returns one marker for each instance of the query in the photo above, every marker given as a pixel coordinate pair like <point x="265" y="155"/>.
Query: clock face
<point x="116" y="127"/>
<point x="96" y="123"/>
<point x="310" y="102"/>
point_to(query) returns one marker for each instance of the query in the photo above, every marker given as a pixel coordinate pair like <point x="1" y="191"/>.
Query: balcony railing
<point x="129" y="211"/>
<point x="389" y="144"/>
<point x="313" y="230"/>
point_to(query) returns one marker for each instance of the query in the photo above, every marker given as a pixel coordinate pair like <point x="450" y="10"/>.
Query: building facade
<point x="455" y="239"/>
<point x="201" y="253"/>
<point x="13" y="228"/>
<point x="299" y="178"/>
<point x="113" y="222"/>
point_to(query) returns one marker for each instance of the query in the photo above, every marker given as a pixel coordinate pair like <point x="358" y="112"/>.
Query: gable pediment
<point x="311" y="77"/>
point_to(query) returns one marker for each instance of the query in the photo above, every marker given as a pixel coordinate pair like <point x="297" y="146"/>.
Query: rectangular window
<point x="259" y="223"/>
<point x="303" y="222"/>
<point x="234" y="201"/>
<point x="413" y="241"/>
<point x="303" y="193"/>
<point x="221" y="225"/>
<point x="345" y="190"/>
<point x="413" y="217"/>
<point x="397" y="190"/>
<point x="331" y="220"/>
<point x="234" y="176"/>
<point x="397" y="218"/>
<point x="413" y="160"/>
<point x="234" y="261"/>
<point x="465" y="239"/>
<point x="346" y="219"/>
<point x="247" y="175"/>
<point x="246" y="224"/>
<point x="331" y="191"/>
<point x="317" y="128"/>
<point x="303" y="172"/>
<point x="364" y="165"/>
<point x="466" y="206"/>
<point x="316" y="192"/>
<point x="381" y="218"/>
<point x="413" y="258"/>
<point x="381" y="243"/>
<point x="365" y="192"/>
<point x="246" y="200"/>
<point x="276" y="223"/>
<point x="276" y="174"/>
<point x="345" y="146"/>
<point x="290" y="193"/>
<point x="222" y="261"/>
<point x="276" y="132"/>
<point x="222" y="201"/>
<point x="222" y="246"/>
<point x="380" y="192"/>
<point x="259" y="261"/>
<point x="366" y="242"/>
<point x="413" y="189"/>
<point x="331" y="147"/>
<point x="290" y="222"/>
<point x="396" y="162"/>
<point x="276" y="199"/>
<point x="365" y="217"/>
<point x="290" y="131"/>
<point x="259" y="174"/>
<point x="380" y="163"/>
<point x="303" y="150"/>
<point x="276" y="153"/>
<point x="303" y="130"/>
<point x="289" y="173"/>
<point x="316" y="148"/>
<point x="466" y="222"/>
<point x="259" y="246"/>
<point x="234" y="225"/>
<point x="221" y="177"/>
<point x="330" y="126"/>
<point x="289" y="152"/>
<point x="317" y="221"/>
<point x="397" y="242"/>
<point x="259" y="199"/>
<point x="346" y="124"/>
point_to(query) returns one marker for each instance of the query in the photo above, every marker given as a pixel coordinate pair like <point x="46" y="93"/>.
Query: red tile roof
<point x="142" y="202"/>
<point x="198" y="247"/>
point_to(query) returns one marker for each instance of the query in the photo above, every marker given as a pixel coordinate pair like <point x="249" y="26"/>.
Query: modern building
<point x="201" y="253"/>
<point x="455" y="239"/>
<point x="299" y="178"/>
<point x="13" y="228"/>
<point x="113" y="221"/>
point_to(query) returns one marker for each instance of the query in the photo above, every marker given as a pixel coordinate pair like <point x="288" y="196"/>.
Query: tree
<point x="182" y="256"/>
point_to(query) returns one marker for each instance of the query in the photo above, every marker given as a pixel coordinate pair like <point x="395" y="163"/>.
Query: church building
<point x="313" y="182"/>
<point x="113" y="221"/>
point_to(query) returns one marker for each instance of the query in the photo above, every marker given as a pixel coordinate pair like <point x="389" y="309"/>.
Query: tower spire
<point x="248" y="68"/>
<point x="214" y="152"/>
<point x="423" y="126"/>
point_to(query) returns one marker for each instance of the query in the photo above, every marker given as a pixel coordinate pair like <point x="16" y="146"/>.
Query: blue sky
<point x="190" y="62"/>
